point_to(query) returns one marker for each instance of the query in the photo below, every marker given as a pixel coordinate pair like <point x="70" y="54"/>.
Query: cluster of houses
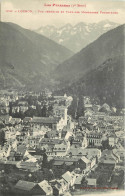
<point x="77" y="152"/>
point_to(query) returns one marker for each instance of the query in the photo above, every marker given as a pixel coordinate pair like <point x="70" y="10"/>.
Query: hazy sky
<point x="34" y="20"/>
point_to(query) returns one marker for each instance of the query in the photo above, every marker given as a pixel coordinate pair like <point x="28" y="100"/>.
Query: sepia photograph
<point x="62" y="88"/>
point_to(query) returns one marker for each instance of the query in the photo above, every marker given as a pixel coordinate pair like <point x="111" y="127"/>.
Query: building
<point x="31" y="188"/>
<point x="60" y="187"/>
<point x="94" y="139"/>
<point x="85" y="164"/>
<point x="54" y="147"/>
<point x="78" y="181"/>
<point x="69" y="178"/>
<point x="108" y="158"/>
<point x="58" y="162"/>
<point x="54" y="123"/>
<point x="28" y="166"/>
<point x="25" y="187"/>
<point x="60" y="111"/>
<point x="112" y="140"/>
<point x="46" y="188"/>
<point x="79" y="152"/>
<point x="78" y="143"/>
<point x="33" y="141"/>
<point x="21" y="137"/>
<point x="27" y="120"/>
<point x="91" y="181"/>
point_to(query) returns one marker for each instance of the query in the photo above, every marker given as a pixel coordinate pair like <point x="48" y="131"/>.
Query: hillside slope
<point x="97" y="70"/>
<point x="109" y="45"/>
<point x="26" y="57"/>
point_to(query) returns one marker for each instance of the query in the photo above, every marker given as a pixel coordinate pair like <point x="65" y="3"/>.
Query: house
<point x="4" y="109"/>
<point x="82" y="120"/>
<point x="54" y="147"/>
<point x="105" y="108"/>
<point x="78" y="153"/>
<point x="54" y="134"/>
<point x="78" y="181"/>
<point x="16" y="153"/>
<point x="98" y="116"/>
<point x="33" y="141"/>
<point x="70" y="163"/>
<point x="27" y="120"/>
<point x="20" y="151"/>
<point x="46" y="93"/>
<point x="88" y="112"/>
<point x="91" y="182"/>
<point x="60" y="187"/>
<point x="87" y="106"/>
<point x="15" y="109"/>
<point x="5" y="119"/>
<point x="36" y="153"/>
<point x="21" y="137"/>
<point x="11" y="156"/>
<point x="96" y="108"/>
<point x="46" y="188"/>
<point x="21" y="106"/>
<point x="61" y="149"/>
<point x="69" y="178"/>
<point x="60" y="111"/>
<point x="54" y="123"/>
<point x="78" y="143"/>
<point x="25" y="187"/>
<point x="94" y="138"/>
<point x="112" y="139"/>
<point x="28" y="166"/>
<point x="65" y="162"/>
<point x="113" y="118"/>
<point x="108" y="158"/>
<point x="15" y="121"/>
<point x="119" y="153"/>
<point x="86" y="100"/>
<point x="93" y="161"/>
<point x="84" y="163"/>
<point x="31" y="188"/>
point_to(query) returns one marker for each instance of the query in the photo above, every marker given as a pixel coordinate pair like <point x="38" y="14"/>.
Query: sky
<point x="37" y="19"/>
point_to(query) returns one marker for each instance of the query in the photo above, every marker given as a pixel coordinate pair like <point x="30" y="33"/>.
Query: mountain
<point x="27" y="58"/>
<point x="97" y="70"/>
<point x="76" y="37"/>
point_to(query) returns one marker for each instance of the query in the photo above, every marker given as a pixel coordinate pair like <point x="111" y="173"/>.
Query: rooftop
<point x="45" y="120"/>
<point x="67" y="176"/>
<point x="25" y="185"/>
<point x="45" y="186"/>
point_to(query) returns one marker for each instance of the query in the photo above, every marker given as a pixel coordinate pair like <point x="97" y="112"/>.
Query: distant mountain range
<point x="27" y="58"/>
<point x="76" y="37"/>
<point x="97" y="70"/>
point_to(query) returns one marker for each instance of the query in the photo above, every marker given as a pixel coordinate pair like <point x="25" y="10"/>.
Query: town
<point x="44" y="150"/>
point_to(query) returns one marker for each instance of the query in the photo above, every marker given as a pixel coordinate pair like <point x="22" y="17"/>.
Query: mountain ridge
<point x="26" y="55"/>
<point x="109" y="44"/>
<point x="76" y="37"/>
<point x="97" y="70"/>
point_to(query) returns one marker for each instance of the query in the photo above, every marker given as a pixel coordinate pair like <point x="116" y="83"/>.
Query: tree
<point x="44" y="162"/>
<point x="2" y="137"/>
<point x="84" y="182"/>
<point x="44" y="111"/>
<point x="105" y="144"/>
<point x="30" y="112"/>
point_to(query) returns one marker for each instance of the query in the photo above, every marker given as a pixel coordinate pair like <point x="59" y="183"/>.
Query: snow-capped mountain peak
<point x="78" y="36"/>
